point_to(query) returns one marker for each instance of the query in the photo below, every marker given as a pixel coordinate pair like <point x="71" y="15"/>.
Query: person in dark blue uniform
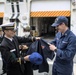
<point x="64" y="45"/>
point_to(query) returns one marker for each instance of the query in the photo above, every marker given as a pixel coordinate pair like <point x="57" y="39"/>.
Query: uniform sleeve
<point x="10" y="57"/>
<point x="69" y="52"/>
<point x="25" y="39"/>
<point x="7" y="55"/>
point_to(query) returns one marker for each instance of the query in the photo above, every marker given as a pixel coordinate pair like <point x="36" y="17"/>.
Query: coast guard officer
<point x="64" y="45"/>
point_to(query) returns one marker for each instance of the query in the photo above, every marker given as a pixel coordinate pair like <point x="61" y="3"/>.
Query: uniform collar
<point x="9" y="38"/>
<point x="66" y="33"/>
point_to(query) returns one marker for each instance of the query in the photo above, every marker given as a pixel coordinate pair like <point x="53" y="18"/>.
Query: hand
<point x="37" y="38"/>
<point x="24" y="47"/>
<point x="27" y="58"/>
<point x="52" y="47"/>
<point x="42" y="47"/>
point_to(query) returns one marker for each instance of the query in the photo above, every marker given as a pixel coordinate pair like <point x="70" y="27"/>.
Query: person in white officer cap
<point x="10" y="50"/>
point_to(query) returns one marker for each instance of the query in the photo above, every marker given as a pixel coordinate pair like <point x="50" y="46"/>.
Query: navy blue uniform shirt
<point x="66" y="49"/>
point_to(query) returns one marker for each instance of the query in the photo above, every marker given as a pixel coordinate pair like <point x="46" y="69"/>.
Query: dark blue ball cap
<point x="36" y="58"/>
<point x="59" y="20"/>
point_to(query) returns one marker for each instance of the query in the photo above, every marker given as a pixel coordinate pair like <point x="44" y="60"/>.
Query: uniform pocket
<point x="63" y="44"/>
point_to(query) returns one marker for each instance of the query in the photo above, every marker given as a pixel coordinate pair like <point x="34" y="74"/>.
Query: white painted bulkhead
<point x="50" y="5"/>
